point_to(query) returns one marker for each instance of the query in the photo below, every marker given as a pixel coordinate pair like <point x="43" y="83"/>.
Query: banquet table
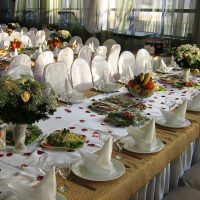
<point x="148" y="176"/>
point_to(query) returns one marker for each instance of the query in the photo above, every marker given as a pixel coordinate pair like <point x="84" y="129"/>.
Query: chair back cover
<point x="66" y="56"/>
<point x="6" y="42"/>
<point x="40" y="37"/>
<point x="113" y="59"/>
<point x="55" y="75"/>
<point x="143" y="61"/>
<point x="86" y="54"/>
<point x="26" y="41"/>
<point x="31" y="35"/>
<point x="3" y="35"/>
<point x="42" y="60"/>
<point x="109" y="43"/>
<point x="126" y="59"/>
<point x="75" y="39"/>
<point x="35" y="30"/>
<point x="19" y="70"/>
<point x="101" y="51"/>
<point x="21" y="59"/>
<point x="81" y="75"/>
<point x="92" y="41"/>
<point x="99" y="68"/>
<point x="15" y="34"/>
<point x="24" y="29"/>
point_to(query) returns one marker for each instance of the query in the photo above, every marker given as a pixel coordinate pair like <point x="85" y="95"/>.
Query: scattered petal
<point x="39" y="152"/>
<point x="68" y="110"/>
<point x="84" y="129"/>
<point x="39" y="178"/>
<point x="82" y="120"/>
<point x="24" y="165"/>
<point x="9" y="154"/>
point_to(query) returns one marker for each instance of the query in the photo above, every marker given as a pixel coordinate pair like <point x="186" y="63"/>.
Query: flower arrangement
<point x="13" y="26"/>
<point x="187" y="56"/>
<point x="16" y="44"/>
<point x="64" y="35"/>
<point x="25" y="101"/>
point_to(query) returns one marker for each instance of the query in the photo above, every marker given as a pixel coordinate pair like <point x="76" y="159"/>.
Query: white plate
<point x="74" y="98"/>
<point x="164" y="72"/>
<point x="161" y="121"/>
<point x="197" y="109"/>
<point x="79" y="170"/>
<point x="131" y="148"/>
<point x="108" y="88"/>
<point x="60" y="196"/>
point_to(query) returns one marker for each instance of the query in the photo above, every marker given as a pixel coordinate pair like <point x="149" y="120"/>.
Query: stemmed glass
<point x="64" y="170"/>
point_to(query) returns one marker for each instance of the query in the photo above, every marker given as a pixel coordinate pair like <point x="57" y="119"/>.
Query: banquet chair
<point x="143" y="61"/>
<point x="183" y="193"/>
<point x="35" y="30"/>
<point x="126" y="59"/>
<point x="15" y="34"/>
<point x="42" y="60"/>
<point x="109" y="43"/>
<point x="81" y="75"/>
<point x="24" y="29"/>
<point x="86" y="54"/>
<point x="31" y="35"/>
<point x="21" y="59"/>
<point x="3" y="35"/>
<point x="55" y="75"/>
<point x="99" y="67"/>
<point x="75" y="39"/>
<point x="47" y="33"/>
<point x="101" y="51"/>
<point x="26" y="41"/>
<point x="92" y="41"/>
<point x="40" y="38"/>
<point x="66" y="56"/>
<point x="113" y="59"/>
<point x="19" y="70"/>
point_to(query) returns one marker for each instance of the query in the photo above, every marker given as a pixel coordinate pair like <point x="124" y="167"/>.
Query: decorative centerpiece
<point x="64" y="35"/>
<point x="24" y="101"/>
<point x="9" y="31"/>
<point x="142" y="85"/>
<point x="13" y="26"/>
<point x="16" y="44"/>
<point x="187" y="57"/>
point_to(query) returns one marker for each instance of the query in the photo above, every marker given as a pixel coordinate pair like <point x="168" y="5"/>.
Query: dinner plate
<point x="164" y="72"/>
<point x="194" y="109"/>
<point x="108" y="88"/>
<point x="161" y="121"/>
<point x="132" y="148"/>
<point x="79" y="170"/>
<point x="73" y="98"/>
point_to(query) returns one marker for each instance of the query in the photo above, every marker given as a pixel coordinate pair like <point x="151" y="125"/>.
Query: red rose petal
<point x="87" y="111"/>
<point x="92" y="115"/>
<point x="82" y="120"/>
<point x="72" y="127"/>
<point x="39" y="178"/>
<point x="80" y="107"/>
<point x="103" y="123"/>
<point x="91" y="145"/>
<point x="87" y="141"/>
<point x="9" y="154"/>
<point x="96" y="136"/>
<point x="27" y="154"/>
<point x="1" y="155"/>
<point x="84" y="129"/>
<point x="95" y="133"/>
<point x="68" y="110"/>
<point x="58" y="117"/>
<point x="24" y="165"/>
<point x="39" y="152"/>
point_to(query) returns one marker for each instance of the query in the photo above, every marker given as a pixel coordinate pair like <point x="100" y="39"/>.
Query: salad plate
<point x="161" y="121"/>
<point x="63" y="140"/>
<point x="132" y="148"/>
<point x="80" y="170"/>
<point x="108" y="88"/>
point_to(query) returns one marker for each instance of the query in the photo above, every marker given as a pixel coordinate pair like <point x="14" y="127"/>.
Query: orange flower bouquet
<point x="16" y="44"/>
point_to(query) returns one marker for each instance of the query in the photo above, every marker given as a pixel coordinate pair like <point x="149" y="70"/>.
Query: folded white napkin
<point x="194" y="102"/>
<point x="100" y="163"/>
<point x="175" y="117"/>
<point x="163" y="67"/>
<point x="144" y="139"/>
<point x="46" y="189"/>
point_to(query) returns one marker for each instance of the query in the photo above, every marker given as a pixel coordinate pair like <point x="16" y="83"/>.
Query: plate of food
<point x="63" y="139"/>
<point x="126" y="118"/>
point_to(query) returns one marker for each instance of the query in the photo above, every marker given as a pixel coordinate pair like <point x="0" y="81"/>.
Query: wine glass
<point x="46" y="162"/>
<point x="64" y="170"/>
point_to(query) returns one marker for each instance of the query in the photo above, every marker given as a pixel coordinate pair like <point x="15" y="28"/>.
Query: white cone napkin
<point x="46" y="189"/>
<point x="194" y="102"/>
<point x="144" y="139"/>
<point x="163" y="68"/>
<point x="175" y="117"/>
<point x="101" y="163"/>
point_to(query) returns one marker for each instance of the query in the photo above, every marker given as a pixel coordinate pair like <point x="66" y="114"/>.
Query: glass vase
<point x="186" y="75"/>
<point x="19" y="136"/>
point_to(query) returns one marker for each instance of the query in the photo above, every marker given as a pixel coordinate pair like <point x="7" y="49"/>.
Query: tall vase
<point x="19" y="136"/>
<point x="186" y="75"/>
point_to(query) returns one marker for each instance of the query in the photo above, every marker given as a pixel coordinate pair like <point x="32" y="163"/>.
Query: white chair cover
<point x="101" y="51"/>
<point x="3" y="35"/>
<point x="55" y="74"/>
<point x="4" y="27"/>
<point x="66" y="56"/>
<point x="109" y="43"/>
<point x="40" y="37"/>
<point x="21" y="59"/>
<point x="24" y="29"/>
<point x="19" y="70"/>
<point x="47" y="33"/>
<point x="15" y="34"/>
<point x="113" y="59"/>
<point x="81" y="75"/>
<point x="31" y="35"/>
<point x="26" y="41"/>
<point x="6" y="42"/>
<point x="35" y="30"/>
<point x="92" y="41"/>
<point x="75" y="39"/>
<point x="143" y="61"/>
<point x="86" y="54"/>
<point x="42" y="60"/>
<point x="126" y="59"/>
<point x="99" y="67"/>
